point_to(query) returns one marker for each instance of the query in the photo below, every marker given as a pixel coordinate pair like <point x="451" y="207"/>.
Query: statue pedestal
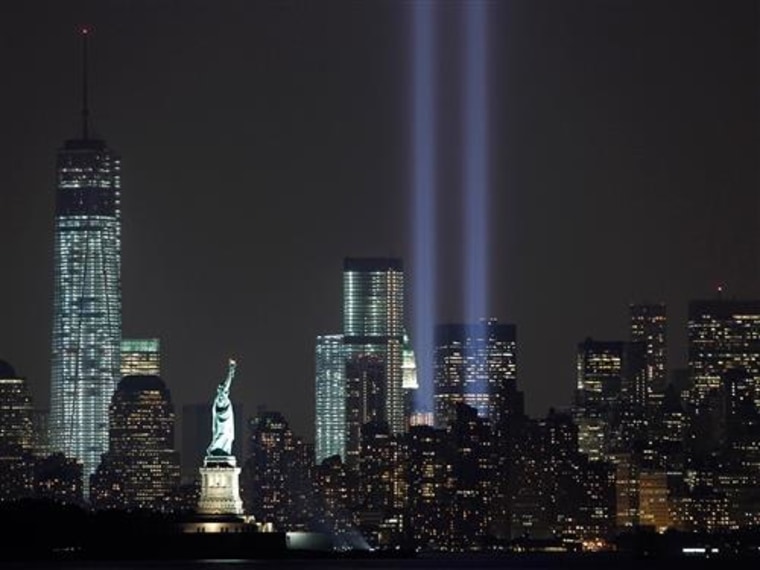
<point x="220" y="489"/>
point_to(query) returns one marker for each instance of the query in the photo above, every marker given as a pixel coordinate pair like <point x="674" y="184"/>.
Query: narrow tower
<point x="87" y="293"/>
<point x="330" y="398"/>
<point x="373" y="329"/>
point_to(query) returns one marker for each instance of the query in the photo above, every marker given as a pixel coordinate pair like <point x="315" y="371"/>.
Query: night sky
<point x="262" y="142"/>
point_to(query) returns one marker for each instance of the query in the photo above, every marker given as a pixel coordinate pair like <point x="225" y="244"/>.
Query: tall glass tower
<point x="373" y="338"/>
<point x="330" y="398"/>
<point x="86" y="334"/>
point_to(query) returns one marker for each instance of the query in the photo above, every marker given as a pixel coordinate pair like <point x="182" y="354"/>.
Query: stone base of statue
<point x="220" y="488"/>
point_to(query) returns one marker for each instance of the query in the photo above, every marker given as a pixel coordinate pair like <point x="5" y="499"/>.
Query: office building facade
<point x="598" y="389"/>
<point x="648" y="325"/>
<point x="16" y="411"/>
<point x="723" y="335"/>
<point x="475" y="364"/>
<point x="141" y="469"/>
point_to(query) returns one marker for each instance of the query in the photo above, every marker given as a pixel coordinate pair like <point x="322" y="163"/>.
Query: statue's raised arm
<point x="222" y="417"/>
<point x="230" y="374"/>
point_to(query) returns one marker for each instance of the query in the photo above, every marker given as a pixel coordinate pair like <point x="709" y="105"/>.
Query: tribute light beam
<point x="424" y="202"/>
<point x="475" y="175"/>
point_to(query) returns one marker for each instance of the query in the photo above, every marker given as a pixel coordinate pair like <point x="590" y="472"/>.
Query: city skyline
<point x="623" y="179"/>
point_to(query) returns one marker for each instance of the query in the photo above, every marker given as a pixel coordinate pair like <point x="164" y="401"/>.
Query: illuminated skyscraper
<point x="475" y="364"/>
<point x="649" y="326"/>
<point x="611" y="396"/>
<point x="411" y="385"/>
<point x="16" y="462"/>
<point x="86" y="334"/>
<point x="15" y="410"/>
<point x="430" y="485"/>
<point x="140" y="357"/>
<point x="382" y="483"/>
<point x="141" y="468"/>
<point x="473" y="469"/>
<point x="330" y="433"/>
<point x="373" y="336"/>
<point x="723" y="335"/>
<point x="274" y="473"/>
<point x="599" y="385"/>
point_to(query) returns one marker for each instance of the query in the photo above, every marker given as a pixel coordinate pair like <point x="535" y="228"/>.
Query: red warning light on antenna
<point x="84" y="30"/>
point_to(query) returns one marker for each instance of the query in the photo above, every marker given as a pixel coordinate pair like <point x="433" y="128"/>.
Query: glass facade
<point x="140" y="357"/>
<point x="330" y="428"/>
<point x="86" y="334"/>
<point x="373" y="337"/>
<point x="475" y="364"/>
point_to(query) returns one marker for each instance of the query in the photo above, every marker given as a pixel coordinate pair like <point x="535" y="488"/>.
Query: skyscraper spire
<point x="84" y="32"/>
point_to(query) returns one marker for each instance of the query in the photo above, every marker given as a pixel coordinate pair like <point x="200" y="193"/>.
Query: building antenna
<point x="84" y="32"/>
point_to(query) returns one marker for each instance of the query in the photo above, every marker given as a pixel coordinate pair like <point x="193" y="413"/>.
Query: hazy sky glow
<point x="262" y="142"/>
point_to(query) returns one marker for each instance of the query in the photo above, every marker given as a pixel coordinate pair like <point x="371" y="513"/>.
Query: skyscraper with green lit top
<point x="140" y="357"/>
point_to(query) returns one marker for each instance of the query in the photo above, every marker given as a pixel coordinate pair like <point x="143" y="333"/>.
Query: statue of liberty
<point x="223" y="419"/>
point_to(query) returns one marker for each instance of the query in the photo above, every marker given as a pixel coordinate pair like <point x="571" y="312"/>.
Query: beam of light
<point x="475" y="177"/>
<point x="424" y="203"/>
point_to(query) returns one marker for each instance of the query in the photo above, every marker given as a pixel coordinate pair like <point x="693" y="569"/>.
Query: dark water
<point x="443" y="562"/>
